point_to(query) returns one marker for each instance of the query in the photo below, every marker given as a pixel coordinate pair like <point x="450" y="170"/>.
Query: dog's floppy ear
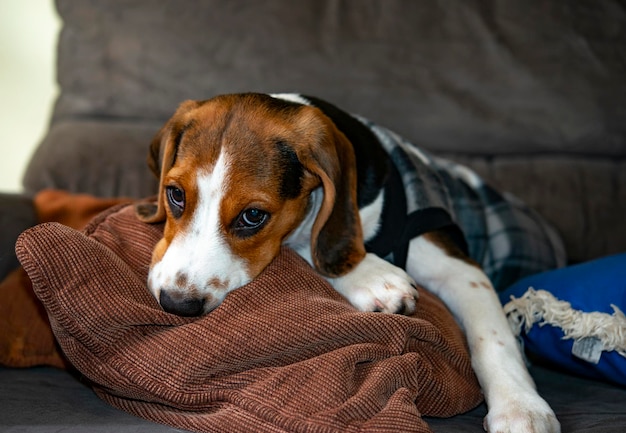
<point x="161" y="157"/>
<point x="337" y="237"/>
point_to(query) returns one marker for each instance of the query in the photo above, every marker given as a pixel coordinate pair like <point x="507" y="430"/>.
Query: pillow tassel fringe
<point x="541" y="306"/>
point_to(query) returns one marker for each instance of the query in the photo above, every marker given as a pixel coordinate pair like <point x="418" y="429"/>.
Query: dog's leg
<point x="512" y="400"/>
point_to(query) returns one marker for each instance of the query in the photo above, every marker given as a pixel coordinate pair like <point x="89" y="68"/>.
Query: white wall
<point x="28" y="33"/>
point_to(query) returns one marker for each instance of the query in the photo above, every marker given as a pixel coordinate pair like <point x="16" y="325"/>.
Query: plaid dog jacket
<point x="507" y="238"/>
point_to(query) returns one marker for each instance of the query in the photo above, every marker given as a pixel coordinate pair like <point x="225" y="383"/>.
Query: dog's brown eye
<point x="176" y="200"/>
<point x="250" y="221"/>
<point x="253" y="218"/>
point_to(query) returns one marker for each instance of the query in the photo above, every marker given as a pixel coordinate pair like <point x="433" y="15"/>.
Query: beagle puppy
<point x="241" y="175"/>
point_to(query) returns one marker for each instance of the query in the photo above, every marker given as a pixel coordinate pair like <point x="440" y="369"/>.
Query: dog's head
<point x="236" y="176"/>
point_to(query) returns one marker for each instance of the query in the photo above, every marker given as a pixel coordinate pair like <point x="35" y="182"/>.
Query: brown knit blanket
<point x="283" y="354"/>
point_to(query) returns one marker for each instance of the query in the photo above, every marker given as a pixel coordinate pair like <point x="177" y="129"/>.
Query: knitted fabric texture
<point x="284" y="353"/>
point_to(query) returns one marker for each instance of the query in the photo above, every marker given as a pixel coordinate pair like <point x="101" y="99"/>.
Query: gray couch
<point x="529" y="93"/>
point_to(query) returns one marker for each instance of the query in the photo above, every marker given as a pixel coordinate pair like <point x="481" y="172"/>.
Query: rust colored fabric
<point x="283" y="354"/>
<point x="72" y="210"/>
<point x="26" y="338"/>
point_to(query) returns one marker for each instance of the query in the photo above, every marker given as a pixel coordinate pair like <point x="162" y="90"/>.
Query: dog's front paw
<point x="377" y="285"/>
<point x="527" y="414"/>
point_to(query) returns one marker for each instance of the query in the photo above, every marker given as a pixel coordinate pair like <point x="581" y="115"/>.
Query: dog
<point x="243" y="174"/>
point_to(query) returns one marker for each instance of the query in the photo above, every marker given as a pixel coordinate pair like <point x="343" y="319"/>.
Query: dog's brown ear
<point x="161" y="157"/>
<point x="337" y="237"/>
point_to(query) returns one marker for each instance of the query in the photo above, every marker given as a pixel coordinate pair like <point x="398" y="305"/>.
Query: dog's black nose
<point x="181" y="306"/>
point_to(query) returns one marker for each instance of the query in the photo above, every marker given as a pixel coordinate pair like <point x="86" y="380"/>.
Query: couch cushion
<point x="573" y="317"/>
<point x="526" y="77"/>
<point x="104" y="158"/>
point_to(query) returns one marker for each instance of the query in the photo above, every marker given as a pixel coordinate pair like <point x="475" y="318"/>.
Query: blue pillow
<point x="547" y="307"/>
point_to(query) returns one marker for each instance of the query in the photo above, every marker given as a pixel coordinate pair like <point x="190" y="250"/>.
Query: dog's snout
<point x="180" y="305"/>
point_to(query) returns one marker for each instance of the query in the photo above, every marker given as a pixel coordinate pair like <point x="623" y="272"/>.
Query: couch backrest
<point x="472" y="76"/>
<point x="527" y="92"/>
